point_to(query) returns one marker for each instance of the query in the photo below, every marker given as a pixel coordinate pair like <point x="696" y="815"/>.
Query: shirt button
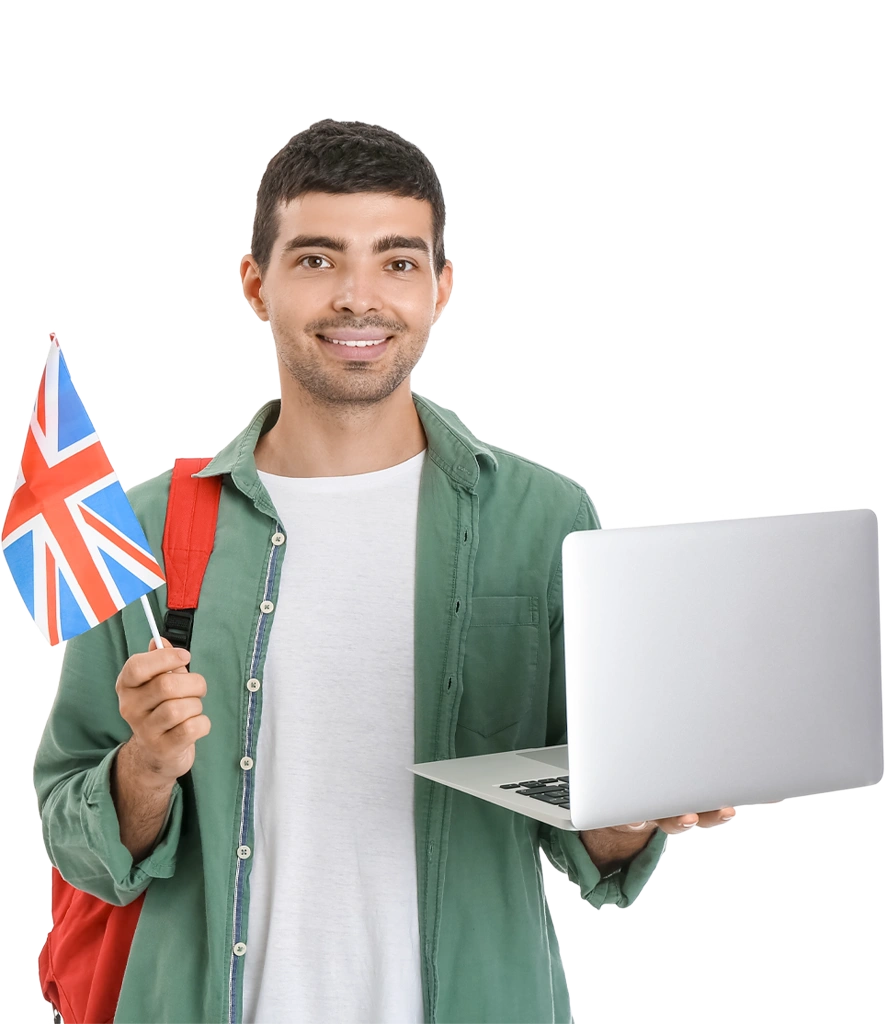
<point x="252" y="685"/>
<point x="267" y="607"/>
<point x="278" y="539"/>
<point x="243" y="852"/>
<point x="239" y="948"/>
<point x="246" y="763"/>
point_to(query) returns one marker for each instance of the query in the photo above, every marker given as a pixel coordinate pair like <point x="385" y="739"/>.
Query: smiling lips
<point x="356" y="344"/>
<point x="349" y="334"/>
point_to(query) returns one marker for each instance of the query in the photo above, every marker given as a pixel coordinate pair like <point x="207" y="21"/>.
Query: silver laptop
<point x="707" y="665"/>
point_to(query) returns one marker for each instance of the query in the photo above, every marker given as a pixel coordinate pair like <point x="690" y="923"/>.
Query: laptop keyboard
<point x="553" y="791"/>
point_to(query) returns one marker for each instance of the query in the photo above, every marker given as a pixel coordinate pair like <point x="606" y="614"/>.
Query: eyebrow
<point x="380" y="245"/>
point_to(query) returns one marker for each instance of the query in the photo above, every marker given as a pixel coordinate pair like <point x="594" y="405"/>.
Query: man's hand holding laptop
<point x="705" y="819"/>
<point x="674" y="826"/>
<point x="611" y="848"/>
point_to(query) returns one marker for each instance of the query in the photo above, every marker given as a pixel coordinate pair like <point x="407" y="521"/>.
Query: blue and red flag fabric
<point x="75" y="548"/>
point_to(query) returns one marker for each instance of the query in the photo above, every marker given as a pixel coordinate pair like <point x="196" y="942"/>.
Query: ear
<point x="444" y="289"/>
<point x="252" y="285"/>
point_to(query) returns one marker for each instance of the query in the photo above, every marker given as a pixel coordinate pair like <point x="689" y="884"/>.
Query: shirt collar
<point x="451" y="445"/>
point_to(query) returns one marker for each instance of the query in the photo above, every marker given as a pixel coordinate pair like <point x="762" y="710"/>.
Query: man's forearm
<point x="610" y="850"/>
<point x="141" y="803"/>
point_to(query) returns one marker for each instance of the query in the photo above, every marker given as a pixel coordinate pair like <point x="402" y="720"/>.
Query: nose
<point x="358" y="292"/>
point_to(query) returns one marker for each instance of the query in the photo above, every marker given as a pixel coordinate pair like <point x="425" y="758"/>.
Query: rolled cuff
<point x="567" y="853"/>
<point x="97" y="862"/>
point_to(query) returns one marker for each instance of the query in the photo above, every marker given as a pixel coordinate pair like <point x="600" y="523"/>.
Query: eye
<point x="401" y="265"/>
<point x="323" y="259"/>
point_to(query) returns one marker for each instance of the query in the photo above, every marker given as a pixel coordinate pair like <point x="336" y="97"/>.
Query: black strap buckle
<point x="178" y="625"/>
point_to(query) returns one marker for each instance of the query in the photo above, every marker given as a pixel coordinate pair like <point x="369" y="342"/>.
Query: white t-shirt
<point x="333" y="931"/>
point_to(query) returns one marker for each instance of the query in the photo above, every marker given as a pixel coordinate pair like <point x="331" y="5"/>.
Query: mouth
<point x="356" y="342"/>
<point x="356" y="348"/>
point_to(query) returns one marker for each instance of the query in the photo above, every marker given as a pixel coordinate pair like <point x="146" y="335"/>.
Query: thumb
<point x="152" y="646"/>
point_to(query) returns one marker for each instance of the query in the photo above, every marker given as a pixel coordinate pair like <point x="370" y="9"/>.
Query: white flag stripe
<point x="96" y="542"/>
<point x="53" y="458"/>
<point x="39" y="542"/>
<point x="51" y="409"/>
<point x="71" y="579"/>
<point x="48" y="448"/>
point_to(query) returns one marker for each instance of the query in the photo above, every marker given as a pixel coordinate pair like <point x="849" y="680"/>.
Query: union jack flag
<point x="76" y="550"/>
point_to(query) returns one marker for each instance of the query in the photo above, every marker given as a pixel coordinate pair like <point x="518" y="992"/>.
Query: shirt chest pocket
<point x="499" y="673"/>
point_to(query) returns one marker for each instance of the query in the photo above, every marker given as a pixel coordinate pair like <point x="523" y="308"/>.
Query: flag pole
<point x="149" y="615"/>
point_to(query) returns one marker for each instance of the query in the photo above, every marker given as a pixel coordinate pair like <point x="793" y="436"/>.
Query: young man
<point x="384" y="589"/>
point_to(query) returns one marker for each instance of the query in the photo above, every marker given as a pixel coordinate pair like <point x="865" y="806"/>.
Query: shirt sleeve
<point x="564" y="848"/>
<point x="72" y="773"/>
<point x="567" y="853"/>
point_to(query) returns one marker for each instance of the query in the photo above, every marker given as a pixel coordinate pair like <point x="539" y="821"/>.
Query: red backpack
<point x="82" y="962"/>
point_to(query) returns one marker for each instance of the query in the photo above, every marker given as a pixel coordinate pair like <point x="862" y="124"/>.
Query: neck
<point x="314" y="439"/>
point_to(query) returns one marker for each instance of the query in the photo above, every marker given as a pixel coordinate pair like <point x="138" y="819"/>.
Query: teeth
<point x="356" y="344"/>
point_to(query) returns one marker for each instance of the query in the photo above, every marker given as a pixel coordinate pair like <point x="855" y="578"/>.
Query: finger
<point x="705" y="819"/>
<point x="680" y="823"/>
<point x="168" y="646"/>
<point x="171" y="713"/>
<point x="709" y="819"/>
<point x="162" y="690"/>
<point x="139" y="668"/>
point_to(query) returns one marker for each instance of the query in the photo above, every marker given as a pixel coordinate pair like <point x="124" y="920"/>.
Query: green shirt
<point x="489" y="676"/>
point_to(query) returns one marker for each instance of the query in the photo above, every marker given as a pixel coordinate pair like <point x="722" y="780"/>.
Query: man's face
<point x="343" y="268"/>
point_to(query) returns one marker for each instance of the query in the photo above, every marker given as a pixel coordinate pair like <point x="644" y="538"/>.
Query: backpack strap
<point x="188" y="536"/>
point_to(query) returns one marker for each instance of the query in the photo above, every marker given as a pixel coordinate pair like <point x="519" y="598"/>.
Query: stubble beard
<point x="345" y="383"/>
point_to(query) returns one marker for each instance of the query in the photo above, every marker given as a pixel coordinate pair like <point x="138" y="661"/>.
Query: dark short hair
<point x="340" y="157"/>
